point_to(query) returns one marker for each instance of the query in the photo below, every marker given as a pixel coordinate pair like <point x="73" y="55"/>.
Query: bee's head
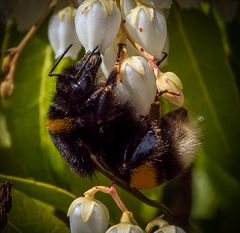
<point x="90" y="63"/>
<point x="77" y="81"/>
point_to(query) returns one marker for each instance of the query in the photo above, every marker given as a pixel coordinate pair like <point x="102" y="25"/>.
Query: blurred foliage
<point x="204" y="52"/>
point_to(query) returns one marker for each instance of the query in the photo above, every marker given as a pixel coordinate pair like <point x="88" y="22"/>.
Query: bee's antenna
<point x="58" y="61"/>
<point x="85" y="63"/>
<point x="162" y="59"/>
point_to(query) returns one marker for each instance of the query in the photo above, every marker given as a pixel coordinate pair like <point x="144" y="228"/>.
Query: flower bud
<point x="62" y="33"/>
<point x="6" y="88"/>
<point x="171" y="88"/>
<point x="163" y="226"/>
<point x="97" y="23"/>
<point x="88" y="215"/>
<point x="138" y="84"/>
<point x="125" y="225"/>
<point x="148" y="28"/>
<point x="6" y="63"/>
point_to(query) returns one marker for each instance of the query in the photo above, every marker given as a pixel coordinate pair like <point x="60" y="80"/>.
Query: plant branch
<point x="109" y="190"/>
<point x="15" y="52"/>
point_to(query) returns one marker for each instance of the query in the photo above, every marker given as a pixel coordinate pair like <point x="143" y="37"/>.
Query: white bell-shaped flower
<point x="125" y="225"/>
<point x="97" y="23"/>
<point x="148" y="28"/>
<point x="62" y="33"/>
<point x="138" y="84"/>
<point x="88" y="215"/>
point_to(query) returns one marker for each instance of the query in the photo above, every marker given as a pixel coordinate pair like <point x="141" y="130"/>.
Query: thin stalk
<point x="16" y="51"/>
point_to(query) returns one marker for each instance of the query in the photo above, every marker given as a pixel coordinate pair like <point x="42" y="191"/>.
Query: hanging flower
<point x="137" y="83"/>
<point x="97" y="23"/>
<point x="148" y="28"/>
<point x="88" y="215"/>
<point x="62" y="33"/>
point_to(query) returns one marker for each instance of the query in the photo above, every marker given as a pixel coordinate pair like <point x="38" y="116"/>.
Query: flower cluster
<point x="88" y="215"/>
<point x="138" y="24"/>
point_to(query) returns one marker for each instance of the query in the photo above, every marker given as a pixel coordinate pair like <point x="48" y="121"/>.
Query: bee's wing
<point x="105" y="170"/>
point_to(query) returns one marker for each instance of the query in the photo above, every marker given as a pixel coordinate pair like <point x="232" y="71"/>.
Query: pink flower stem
<point x="151" y="59"/>
<point x="16" y="51"/>
<point x="111" y="191"/>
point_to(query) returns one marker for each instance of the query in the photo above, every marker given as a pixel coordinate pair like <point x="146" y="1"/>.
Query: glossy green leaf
<point x="57" y="197"/>
<point x="24" y="112"/>
<point x="27" y="215"/>
<point x="25" y="115"/>
<point x="198" y="57"/>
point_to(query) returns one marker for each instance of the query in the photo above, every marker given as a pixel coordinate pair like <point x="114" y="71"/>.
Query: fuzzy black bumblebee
<point x="93" y="130"/>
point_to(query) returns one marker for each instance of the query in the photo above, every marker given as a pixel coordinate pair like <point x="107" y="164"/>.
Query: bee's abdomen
<point x="177" y="142"/>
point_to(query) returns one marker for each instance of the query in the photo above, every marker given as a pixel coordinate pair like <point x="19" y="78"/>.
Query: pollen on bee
<point x="144" y="177"/>
<point x="59" y="125"/>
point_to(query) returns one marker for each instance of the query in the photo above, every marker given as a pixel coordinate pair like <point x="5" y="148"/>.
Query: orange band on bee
<point x="144" y="177"/>
<point x="60" y="125"/>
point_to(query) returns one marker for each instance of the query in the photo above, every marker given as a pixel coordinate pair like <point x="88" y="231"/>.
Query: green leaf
<point x="25" y="115"/>
<point x="55" y="196"/>
<point x="199" y="59"/>
<point x="23" y="111"/>
<point x="27" y="215"/>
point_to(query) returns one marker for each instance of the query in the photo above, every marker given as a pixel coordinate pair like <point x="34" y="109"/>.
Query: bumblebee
<point x="94" y="131"/>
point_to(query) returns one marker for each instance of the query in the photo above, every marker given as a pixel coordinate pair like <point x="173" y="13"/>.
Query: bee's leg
<point x="154" y="113"/>
<point x="104" y="96"/>
<point x="114" y="75"/>
<point x="74" y="151"/>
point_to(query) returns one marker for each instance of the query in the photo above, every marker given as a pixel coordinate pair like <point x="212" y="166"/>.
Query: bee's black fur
<point x="102" y="125"/>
